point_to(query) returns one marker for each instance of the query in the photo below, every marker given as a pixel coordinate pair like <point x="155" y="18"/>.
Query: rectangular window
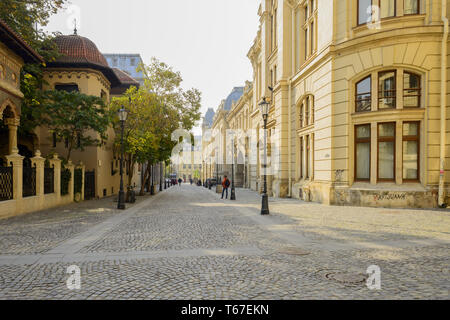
<point x="275" y="27"/>
<point x="306" y="43"/>
<point x="387" y="90"/>
<point x="411" y="146"/>
<point x="67" y="87"/>
<point x="364" y="95"/>
<point x="411" y="7"/>
<point x="301" y="115"/>
<point x="386" y="151"/>
<point x="411" y="90"/>
<point x="312" y="38"/>
<point x="307" y="163"/>
<point x="362" y="152"/>
<point x="301" y="158"/>
<point x="387" y="8"/>
<point x="364" y="11"/>
<point x="307" y="111"/>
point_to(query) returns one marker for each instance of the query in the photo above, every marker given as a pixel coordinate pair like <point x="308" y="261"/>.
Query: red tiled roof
<point x="124" y="77"/>
<point x="77" y="49"/>
<point x="15" y="42"/>
<point x="80" y="52"/>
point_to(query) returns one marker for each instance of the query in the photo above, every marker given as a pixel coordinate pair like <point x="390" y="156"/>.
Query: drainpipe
<point x="442" y="203"/>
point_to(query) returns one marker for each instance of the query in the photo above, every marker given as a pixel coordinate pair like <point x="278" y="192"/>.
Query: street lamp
<point x="264" y="109"/>
<point x="233" y="191"/>
<point x="123" y="114"/>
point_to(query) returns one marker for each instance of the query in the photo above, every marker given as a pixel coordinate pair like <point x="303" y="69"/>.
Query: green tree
<point x="25" y="17"/>
<point x="77" y="119"/>
<point x="156" y="110"/>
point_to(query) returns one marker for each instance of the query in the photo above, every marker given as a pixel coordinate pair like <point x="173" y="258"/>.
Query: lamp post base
<point x="121" y="202"/>
<point x="265" y="205"/>
<point x="233" y="194"/>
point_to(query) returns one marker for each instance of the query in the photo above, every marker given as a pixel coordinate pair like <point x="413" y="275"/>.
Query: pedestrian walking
<point x="180" y="181"/>
<point x="225" y="185"/>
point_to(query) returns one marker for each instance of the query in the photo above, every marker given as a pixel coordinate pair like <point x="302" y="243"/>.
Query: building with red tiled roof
<point x="126" y="82"/>
<point x="82" y="67"/>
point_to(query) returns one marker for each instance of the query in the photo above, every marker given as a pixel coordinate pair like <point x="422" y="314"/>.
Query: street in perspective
<point x="224" y="150"/>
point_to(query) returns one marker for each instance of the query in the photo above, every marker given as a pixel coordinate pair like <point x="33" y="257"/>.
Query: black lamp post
<point x="233" y="190"/>
<point x="264" y="108"/>
<point x="123" y="114"/>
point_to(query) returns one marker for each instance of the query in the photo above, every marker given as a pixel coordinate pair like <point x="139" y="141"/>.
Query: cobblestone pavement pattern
<point x="186" y="243"/>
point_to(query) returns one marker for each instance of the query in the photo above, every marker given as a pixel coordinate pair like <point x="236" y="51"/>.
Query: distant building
<point x="127" y="63"/>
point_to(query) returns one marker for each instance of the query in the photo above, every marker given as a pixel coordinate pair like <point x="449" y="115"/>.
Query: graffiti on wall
<point x="389" y="196"/>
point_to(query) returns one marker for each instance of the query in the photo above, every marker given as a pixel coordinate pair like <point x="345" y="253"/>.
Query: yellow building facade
<point x="358" y="92"/>
<point x="83" y="68"/>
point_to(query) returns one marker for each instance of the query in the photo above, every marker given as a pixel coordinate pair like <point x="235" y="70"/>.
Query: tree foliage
<point x="25" y="17"/>
<point x="156" y="110"/>
<point x="76" y="119"/>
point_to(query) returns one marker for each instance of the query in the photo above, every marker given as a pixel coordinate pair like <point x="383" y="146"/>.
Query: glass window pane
<point x="364" y="11"/>
<point x="411" y="81"/>
<point x="411" y="7"/>
<point x="411" y="129"/>
<point x="411" y="101"/>
<point x="386" y="130"/>
<point x="364" y="95"/>
<point x="364" y="86"/>
<point x="363" y="161"/>
<point x="363" y="132"/>
<point x="387" y="90"/>
<point x="386" y="160"/>
<point x="410" y="160"/>
<point x="387" y="8"/>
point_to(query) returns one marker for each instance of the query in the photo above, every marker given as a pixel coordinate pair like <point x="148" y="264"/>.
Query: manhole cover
<point x="346" y="277"/>
<point x="293" y="251"/>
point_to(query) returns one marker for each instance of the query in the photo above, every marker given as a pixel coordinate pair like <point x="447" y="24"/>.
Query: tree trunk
<point x="146" y="177"/>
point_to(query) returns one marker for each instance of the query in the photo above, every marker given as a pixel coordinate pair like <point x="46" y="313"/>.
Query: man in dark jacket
<point x="225" y="185"/>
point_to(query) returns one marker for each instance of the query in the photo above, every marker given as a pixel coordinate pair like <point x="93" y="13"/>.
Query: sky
<point x="206" y="40"/>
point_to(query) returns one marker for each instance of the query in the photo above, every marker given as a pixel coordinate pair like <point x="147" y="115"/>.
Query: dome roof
<point x="77" y="49"/>
<point x="80" y="52"/>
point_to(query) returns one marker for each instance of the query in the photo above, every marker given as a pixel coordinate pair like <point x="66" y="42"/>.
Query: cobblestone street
<point x="186" y="243"/>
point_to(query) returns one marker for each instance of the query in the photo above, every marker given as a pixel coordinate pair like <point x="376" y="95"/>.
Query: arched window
<point x="364" y="95"/>
<point x="306" y="111"/>
<point x="302" y="108"/>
